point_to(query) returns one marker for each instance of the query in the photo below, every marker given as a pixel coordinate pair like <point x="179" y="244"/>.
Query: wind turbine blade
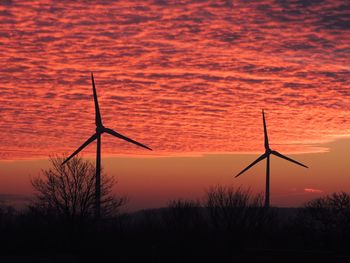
<point x="91" y="139"/>
<point x="262" y="157"/>
<point x="111" y="132"/>
<point x="98" y="120"/>
<point x="287" y="158"/>
<point x="266" y="138"/>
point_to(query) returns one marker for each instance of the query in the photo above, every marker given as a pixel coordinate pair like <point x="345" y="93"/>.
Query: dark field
<point x="182" y="232"/>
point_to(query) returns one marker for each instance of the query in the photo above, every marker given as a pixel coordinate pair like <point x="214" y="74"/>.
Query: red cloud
<point x="179" y="78"/>
<point x="313" y="191"/>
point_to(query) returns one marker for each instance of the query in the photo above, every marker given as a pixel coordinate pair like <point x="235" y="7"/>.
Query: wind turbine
<point x="266" y="155"/>
<point x="100" y="129"/>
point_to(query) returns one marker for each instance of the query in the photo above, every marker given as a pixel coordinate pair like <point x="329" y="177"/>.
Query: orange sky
<point x="187" y="78"/>
<point x="152" y="182"/>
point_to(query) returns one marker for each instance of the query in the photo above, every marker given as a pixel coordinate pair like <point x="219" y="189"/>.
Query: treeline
<point x="228" y="224"/>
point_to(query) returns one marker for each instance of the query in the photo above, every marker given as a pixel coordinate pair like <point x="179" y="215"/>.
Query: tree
<point x="328" y="214"/>
<point x="183" y="216"/>
<point x="236" y="210"/>
<point x="68" y="191"/>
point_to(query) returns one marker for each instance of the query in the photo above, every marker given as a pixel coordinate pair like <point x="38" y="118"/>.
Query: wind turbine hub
<point x="100" y="129"/>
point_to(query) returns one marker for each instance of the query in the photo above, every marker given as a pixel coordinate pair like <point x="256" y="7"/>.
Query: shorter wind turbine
<point x="97" y="136"/>
<point x="266" y="155"/>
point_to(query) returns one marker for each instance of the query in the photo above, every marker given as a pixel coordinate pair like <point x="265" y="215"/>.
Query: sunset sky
<point x="188" y="79"/>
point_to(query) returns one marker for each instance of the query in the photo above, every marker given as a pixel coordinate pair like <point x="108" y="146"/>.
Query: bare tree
<point x="328" y="214"/>
<point x="236" y="209"/>
<point x="183" y="215"/>
<point x="69" y="190"/>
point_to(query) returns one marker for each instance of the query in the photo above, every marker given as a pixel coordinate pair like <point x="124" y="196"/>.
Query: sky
<point x="188" y="79"/>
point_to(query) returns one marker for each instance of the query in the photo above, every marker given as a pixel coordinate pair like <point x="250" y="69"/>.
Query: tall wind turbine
<point x="97" y="136"/>
<point x="266" y="155"/>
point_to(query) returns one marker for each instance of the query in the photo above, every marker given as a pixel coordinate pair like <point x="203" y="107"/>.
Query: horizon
<point x="187" y="79"/>
<point x="162" y="181"/>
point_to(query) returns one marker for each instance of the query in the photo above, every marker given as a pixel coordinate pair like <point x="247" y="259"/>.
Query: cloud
<point x="313" y="190"/>
<point x="189" y="77"/>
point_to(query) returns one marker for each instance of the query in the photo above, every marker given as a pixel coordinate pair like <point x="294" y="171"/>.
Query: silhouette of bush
<point x="68" y="191"/>
<point x="326" y="219"/>
<point x="8" y="215"/>
<point x="183" y="215"/>
<point x="235" y="209"/>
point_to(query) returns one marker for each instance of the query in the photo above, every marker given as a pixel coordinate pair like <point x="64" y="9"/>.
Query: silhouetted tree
<point x="183" y="215"/>
<point x="327" y="215"/>
<point x="7" y="214"/>
<point x="237" y="210"/>
<point x="68" y="191"/>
